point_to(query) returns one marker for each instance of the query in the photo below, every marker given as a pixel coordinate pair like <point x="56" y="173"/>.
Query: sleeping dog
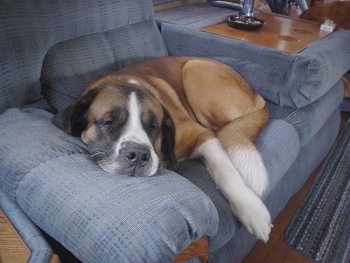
<point x="151" y="114"/>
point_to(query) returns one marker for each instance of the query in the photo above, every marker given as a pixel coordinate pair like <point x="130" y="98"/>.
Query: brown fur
<point x="199" y="104"/>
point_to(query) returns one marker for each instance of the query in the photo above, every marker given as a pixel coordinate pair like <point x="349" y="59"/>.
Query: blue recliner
<point x="51" y="190"/>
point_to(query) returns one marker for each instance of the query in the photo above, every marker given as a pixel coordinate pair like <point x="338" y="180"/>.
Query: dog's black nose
<point x="136" y="154"/>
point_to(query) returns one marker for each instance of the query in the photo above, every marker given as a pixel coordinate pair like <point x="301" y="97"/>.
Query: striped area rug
<point x="320" y="230"/>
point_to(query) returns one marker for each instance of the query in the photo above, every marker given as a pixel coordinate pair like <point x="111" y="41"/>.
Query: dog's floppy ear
<point x="168" y="142"/>
<point x="73" y="119"/>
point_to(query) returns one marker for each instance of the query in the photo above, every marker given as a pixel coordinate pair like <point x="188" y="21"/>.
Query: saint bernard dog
<point x="153" y="113"/>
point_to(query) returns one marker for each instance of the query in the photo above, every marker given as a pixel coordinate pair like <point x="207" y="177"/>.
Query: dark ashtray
<point x="244" y="22"/>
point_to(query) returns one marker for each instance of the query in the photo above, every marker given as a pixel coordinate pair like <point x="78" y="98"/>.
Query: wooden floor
<point x="12" y="249"/>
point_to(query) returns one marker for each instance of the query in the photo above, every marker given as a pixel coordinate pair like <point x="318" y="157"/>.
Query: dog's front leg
<point x="245" y="204"/>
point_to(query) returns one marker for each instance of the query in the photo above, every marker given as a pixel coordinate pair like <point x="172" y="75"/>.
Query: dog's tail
<point x="237" y="139"/>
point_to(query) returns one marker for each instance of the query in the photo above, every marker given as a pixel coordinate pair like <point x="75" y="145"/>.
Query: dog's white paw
<point x="245" y="204"/>
<point x="253" y="214"/>
<point x="251" y="167"/>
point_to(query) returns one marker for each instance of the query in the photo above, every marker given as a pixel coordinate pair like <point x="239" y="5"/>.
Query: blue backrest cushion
<point x="29" y="29"/>
<point x="71" y="65"/>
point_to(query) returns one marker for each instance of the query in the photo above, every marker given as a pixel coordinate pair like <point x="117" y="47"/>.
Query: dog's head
<point x="125" y="128"/>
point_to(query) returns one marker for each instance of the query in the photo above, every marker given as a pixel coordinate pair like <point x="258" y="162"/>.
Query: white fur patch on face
<point x="134" y="132"/>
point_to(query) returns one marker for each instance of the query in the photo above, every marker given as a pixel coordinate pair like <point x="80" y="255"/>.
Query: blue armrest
<point x="292" y="80"/>
<point x="99" y="217"/>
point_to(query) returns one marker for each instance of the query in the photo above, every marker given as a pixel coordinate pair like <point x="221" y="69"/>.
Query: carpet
<point x="320" y="230"/>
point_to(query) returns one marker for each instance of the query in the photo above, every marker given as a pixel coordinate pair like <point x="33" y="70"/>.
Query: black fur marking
<point x="168" y="142"/>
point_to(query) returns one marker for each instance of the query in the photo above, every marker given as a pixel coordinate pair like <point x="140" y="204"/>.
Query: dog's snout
<point x="136" y="154"/>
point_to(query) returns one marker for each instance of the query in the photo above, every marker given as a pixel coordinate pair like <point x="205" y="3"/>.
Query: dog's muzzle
<point x="133" y="159"/>
<point x="136" y="155"/>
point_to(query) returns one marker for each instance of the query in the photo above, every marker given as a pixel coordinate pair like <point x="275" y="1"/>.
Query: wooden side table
<point x="279" y="32"/>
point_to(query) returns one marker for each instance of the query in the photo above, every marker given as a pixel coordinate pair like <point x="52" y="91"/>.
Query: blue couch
<point x="50" y="50"/>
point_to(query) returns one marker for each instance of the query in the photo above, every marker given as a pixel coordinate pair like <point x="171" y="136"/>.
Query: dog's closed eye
<point x="114" y="119"/>
<point x="154" y="126"/>
<point x="106" y="123"/>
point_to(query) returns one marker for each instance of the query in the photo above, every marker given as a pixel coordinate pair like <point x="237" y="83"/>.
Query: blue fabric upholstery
<point x="96" y="215"/>
<point x="304" y="95"/>
<point x="193" y="15"/>
<point x="54" y="48"/>
<point x="46" y="24"/>
<point x="287" y="80"/>
<point x="70" y="65"/>
<point x="158" y="2"/>
<point x="303" y="119"/>
<point x="346" y="105"/>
